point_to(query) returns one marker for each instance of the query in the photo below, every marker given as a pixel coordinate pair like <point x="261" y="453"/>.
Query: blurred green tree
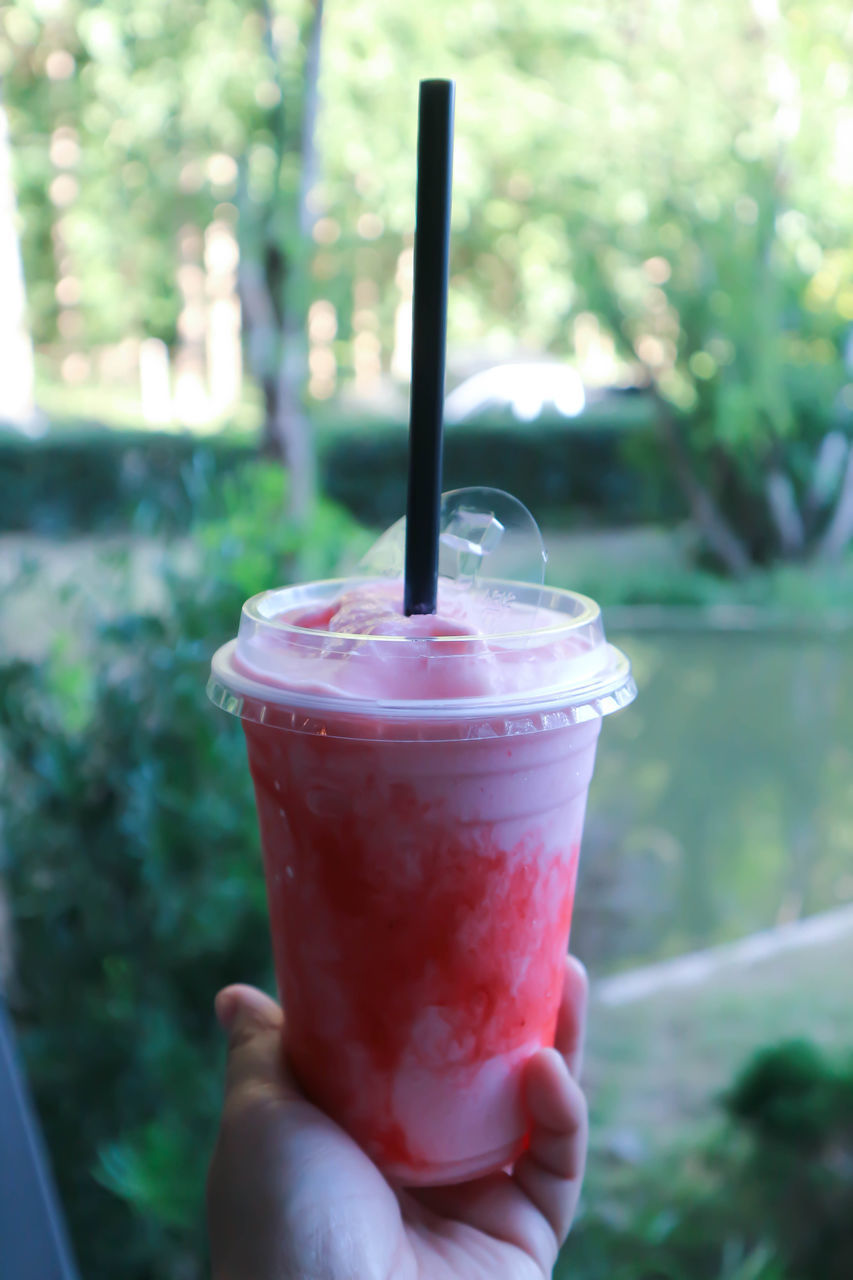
<point x="135" y="127"/>
<point x="16" y="352"/>
<point x="712" y="235"/>
<point x="276" y="220"/>
<point x="130" y="853"/>
<point x="680" y="175"/>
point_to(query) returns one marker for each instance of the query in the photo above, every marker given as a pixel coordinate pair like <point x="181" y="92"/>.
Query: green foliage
<point x="567" y="475"/>
<point x="785" y="597"/>
<point x="770" y="1198"/>
<point x="789" y="1097"/>
<point x="132" y="861"/>
<point x="143" y="151"/>
<point x="132" y="864"/>
<point x="108" y="481"/>
<point x="707" y="232"/>
<point x="798" y="1109"/>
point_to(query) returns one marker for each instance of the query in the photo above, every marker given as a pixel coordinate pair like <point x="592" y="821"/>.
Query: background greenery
<point x="91" y="479"/>
<point x="705" y="235"/>
<point x="132" y="864"/>
<point x="658" y="194"/>
<point x="764" y="1197"/>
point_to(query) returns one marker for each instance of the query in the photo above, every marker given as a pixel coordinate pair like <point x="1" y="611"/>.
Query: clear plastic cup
<point x="421" y="850"/>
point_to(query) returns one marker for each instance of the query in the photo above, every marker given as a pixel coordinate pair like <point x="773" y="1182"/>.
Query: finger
<point x="246" y="1004"/>
<point x="571" y="1018"/>
<point x="551" y="1170"/>
<point x="254" y="1024"/>
<point x="532" y="1209"/>
<point x="493" y="1205"/>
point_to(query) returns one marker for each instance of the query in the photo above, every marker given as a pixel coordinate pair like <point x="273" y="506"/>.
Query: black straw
<point x="429" y="341"/>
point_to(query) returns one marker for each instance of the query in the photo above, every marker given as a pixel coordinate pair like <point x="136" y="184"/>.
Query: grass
<point x="69" y="405"/>
<point x="71" y="409"/>
<point x="656" y="1070"/>
<point x="655" y="1066"/>
<point x="657" y="565"/>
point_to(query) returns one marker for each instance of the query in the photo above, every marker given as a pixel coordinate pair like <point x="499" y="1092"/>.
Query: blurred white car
<point x="526" y="388"/>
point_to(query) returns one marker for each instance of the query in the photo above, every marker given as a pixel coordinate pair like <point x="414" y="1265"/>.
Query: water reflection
<point x="723" y="799"/>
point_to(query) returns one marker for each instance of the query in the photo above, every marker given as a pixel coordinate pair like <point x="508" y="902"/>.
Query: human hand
<point x="292" y="1197"/>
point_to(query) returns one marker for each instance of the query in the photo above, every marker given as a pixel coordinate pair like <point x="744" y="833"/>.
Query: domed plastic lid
<point x="497" y="646"/>
<point x="344" y="646"/>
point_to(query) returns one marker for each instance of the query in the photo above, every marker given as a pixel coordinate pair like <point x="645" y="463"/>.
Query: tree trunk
<point x="826" y="474"/>
<point x="782" y="503"/>
<point x="310" y="101"/>
<point x="276" y="354"/>
<point x="274" y="285"/>
<point x="16" y="349"/>
<point x="711" y="522"/>
<point x="291" y="425"/>
<point x="839" y="532"/>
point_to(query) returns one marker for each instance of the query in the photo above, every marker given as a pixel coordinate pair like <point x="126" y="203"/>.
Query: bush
<point x="131" y="858"/>
<point x="771" y="1198"/>
<point x="108" y="481"/>
<point x="797" y="1108"/>
<point x="569" y="475"/>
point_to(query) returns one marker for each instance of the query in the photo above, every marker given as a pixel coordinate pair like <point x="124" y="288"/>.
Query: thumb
<point x="254" y="1025"/>
<point x="244" y="1222"/>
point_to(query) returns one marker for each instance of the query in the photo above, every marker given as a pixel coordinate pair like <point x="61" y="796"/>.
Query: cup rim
<point x="588" y="615"/>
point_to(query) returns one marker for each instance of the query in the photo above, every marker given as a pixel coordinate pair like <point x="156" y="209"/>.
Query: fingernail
<point x="578" y="966"/>
<point x="225" y="1006"/>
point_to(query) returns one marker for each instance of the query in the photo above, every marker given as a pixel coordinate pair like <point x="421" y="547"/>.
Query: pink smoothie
<point x="421" y="786"/>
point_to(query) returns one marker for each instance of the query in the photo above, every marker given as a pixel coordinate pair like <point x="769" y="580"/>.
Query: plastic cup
<point x="421" y="851"/>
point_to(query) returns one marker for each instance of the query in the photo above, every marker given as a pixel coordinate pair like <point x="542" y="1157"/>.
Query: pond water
<point x="723" y="798"/>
